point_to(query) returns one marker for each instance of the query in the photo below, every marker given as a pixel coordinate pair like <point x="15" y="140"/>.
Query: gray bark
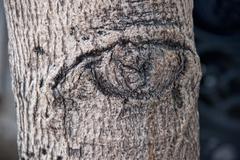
<point x="104" y="79"/>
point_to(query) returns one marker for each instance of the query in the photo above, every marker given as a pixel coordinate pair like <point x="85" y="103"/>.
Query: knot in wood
<point x="137" y="70"/>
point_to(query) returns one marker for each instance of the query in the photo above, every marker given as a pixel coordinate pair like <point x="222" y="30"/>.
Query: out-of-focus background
<point x="8" y="128"/>
<point x="217" y="32"/>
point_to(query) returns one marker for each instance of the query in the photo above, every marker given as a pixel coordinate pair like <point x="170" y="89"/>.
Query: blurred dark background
<point x="217" y="33"/>
<point x="8" y="128"/>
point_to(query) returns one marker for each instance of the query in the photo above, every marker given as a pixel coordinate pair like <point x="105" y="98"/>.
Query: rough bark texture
<point x="104" y="79"/>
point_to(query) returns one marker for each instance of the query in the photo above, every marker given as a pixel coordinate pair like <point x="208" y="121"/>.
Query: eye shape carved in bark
<point x="136" y="70"/>
<point x="125" y="69"/>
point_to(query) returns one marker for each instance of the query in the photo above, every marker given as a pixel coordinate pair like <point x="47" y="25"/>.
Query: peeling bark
<point x="104" y="79"/>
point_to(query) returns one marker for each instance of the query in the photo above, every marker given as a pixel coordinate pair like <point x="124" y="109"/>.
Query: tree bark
<point x="104" y="79"/>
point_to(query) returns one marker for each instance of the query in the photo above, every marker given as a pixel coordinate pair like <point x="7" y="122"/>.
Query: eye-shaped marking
<point x="130" y="69"/>
<point x="136" y="70"/>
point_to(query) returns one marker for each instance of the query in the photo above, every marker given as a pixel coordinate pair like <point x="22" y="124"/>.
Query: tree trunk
<point x="104" y="79"/>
